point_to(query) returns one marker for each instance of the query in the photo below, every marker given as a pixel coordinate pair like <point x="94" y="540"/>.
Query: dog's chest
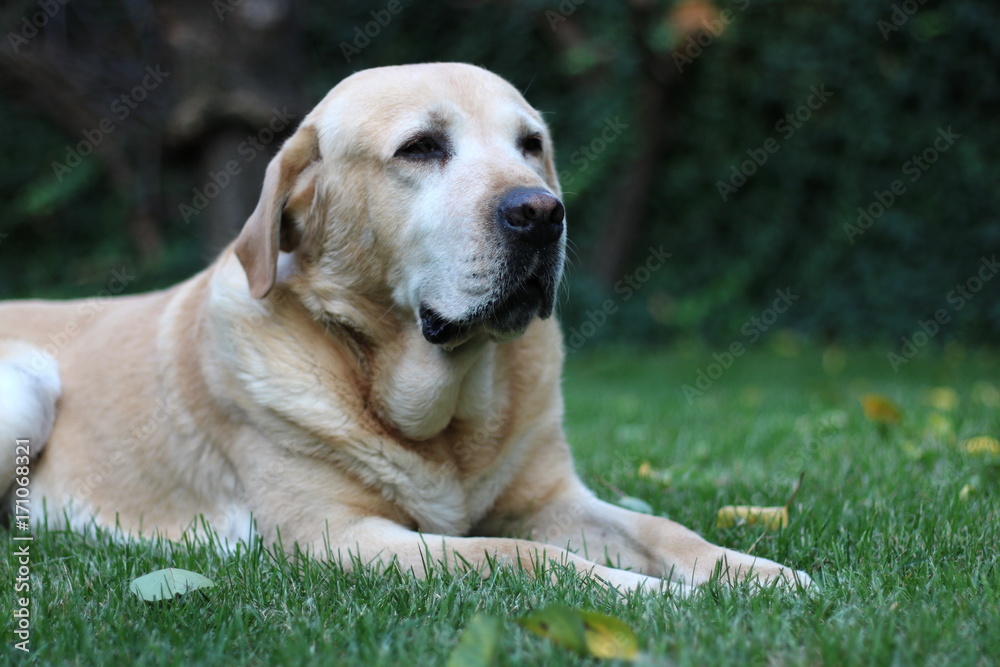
<point x="449" y="484"/>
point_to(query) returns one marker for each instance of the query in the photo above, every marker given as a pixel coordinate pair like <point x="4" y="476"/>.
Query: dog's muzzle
<point x="530" y="227"/>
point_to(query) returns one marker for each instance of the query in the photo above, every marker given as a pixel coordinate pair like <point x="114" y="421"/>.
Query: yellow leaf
<point x="986" y="394"/>
<point x="982" y="445"/>
<point x="558" y="624"/>
<point x="966" y="491"/>
<point x="647" y="471"/>
<point x="585" y="632"/>
<point x="943" y="398"/>
<point x="880" y="409"/>
<point x="772" y="518"/>
<point x="940" y="426"/>
<point x="608" y="637"/>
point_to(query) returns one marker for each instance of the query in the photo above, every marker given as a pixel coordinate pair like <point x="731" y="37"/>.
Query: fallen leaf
<point x="558" y="624"/>
<point x="880" y="409"/>
<point x="647" y="471"/>
<point x="587" y="633"/>
<point x="986" y="394"/>
<point x="771" y="518"/>
<point x="940" y="426"/>
<point x="635" y="504"/>
<point x="167" y="584"/>
<point x="943" y="398"/>
<point x="982" y="444"/>
<point x="477" y="647"/>
<point x="608" y="637"/>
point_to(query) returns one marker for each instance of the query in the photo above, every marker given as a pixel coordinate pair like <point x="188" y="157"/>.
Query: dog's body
<point x="368" y="370"/>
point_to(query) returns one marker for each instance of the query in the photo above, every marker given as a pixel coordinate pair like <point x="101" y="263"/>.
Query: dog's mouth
<point x="504" y="316"/>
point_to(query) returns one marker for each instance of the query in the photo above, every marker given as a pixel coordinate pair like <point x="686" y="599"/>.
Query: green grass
<point x="908" y="568"/>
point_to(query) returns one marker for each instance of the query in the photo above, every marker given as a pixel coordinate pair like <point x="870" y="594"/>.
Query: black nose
<point x="533" y="215"/>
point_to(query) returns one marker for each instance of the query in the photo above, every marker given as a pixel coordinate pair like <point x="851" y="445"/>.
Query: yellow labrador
<point x="370" y="369"/>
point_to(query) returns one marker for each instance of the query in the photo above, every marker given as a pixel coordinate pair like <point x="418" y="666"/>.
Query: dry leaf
<point x="167" y="584"/>
<point x="880" y="409"/>
<point x="647" y="471"/>
<point x="982" y="445"/>
<point x="588" y="633"/>
<point x="940" y="426"/>
<point x="771" y="518"/>
<point x="943" y="398"/>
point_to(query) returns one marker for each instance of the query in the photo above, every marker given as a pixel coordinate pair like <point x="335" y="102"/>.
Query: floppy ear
<point x="262" y="236"/>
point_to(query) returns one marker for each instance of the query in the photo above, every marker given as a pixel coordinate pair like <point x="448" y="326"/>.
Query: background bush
<point x="891" y="89"/>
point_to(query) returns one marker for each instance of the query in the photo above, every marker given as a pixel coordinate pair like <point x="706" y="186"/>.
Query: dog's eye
<point x="421" y="148"/>
<point x="532" y="144"/>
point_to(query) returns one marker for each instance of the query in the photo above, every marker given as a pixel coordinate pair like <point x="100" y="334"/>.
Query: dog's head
<point x="430" y="188"/>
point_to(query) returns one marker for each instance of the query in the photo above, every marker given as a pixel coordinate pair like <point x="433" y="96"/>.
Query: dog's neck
<point x="419" y="388"/>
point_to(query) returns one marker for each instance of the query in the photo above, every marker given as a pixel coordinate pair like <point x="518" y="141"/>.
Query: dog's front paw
<point x="736" y="567"/>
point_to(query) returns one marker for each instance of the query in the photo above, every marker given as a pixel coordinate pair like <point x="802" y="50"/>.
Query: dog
<point x="370" y="371"/>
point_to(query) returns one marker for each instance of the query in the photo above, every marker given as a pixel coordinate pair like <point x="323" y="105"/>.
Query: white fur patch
<point x="29" y="388"/>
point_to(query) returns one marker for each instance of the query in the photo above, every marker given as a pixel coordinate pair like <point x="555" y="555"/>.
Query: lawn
<point x="898" y="523"/>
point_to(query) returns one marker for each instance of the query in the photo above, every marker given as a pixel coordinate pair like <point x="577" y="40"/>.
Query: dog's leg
<point x="380" y="540"/>
<point x="649" y="544"/>
<point x="29" y="387"/>
<point x="562" y="512"/>
<point x="312" y="504"/>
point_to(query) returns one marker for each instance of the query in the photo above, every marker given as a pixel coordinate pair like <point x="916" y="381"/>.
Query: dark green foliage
<point x="890" y="90"/>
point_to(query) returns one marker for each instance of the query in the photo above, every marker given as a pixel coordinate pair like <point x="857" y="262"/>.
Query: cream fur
<point x="290" y="380"/>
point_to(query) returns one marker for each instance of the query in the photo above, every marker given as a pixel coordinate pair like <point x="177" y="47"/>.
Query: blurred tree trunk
<point x="186" y="79"/>
<point x="237" y="75"/>
<point x="76" y="71"/>
<point x="628" y="209"/>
